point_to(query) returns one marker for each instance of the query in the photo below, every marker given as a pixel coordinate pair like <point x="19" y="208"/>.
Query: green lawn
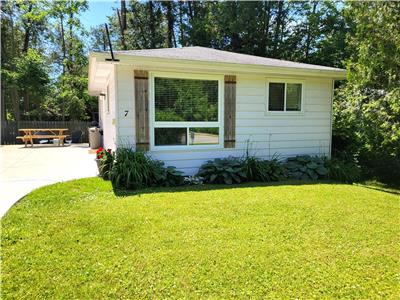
<point x="78" y="240"/>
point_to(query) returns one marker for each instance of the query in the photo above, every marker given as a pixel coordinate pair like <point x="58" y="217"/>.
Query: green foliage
<point x="367" y="108"/>
<point x="223" y="170"/>
<point x="166" y="176"/>
<point x="264" y="170"/>
<point x="306" y="167"/>
<point x="133" y="170"/>
<point x="106" y="158"/>
<point x="344" y="171"/>
<point x="44" y="60"/>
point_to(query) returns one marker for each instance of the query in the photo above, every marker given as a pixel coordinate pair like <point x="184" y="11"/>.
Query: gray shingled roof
<point x="213" y="55"/>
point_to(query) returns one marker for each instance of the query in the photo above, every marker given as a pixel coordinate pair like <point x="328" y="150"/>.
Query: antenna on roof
<point x="109" y="44"/>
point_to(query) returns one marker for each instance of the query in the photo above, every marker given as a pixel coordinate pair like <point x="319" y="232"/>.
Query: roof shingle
<point x="213" y="55"/>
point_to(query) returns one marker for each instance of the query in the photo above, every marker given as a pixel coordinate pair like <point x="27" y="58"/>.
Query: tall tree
<point x="367" y="107"/>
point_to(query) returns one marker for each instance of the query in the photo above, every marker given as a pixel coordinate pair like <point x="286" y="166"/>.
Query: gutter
<point x="219" y="66"/>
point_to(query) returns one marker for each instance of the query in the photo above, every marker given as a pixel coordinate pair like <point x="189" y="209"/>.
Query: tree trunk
<point x="27" y="104"/>
<point x="170" y="27"/>
<point x="121" y="28"/>
<point x="152" y="25"/>
<point x="235" y="38"/>
<point x="15" y="102"/>
<point x="14" y="89"/>
<point x="277" y="29"/>
<point x="63" y="42"/>
<point x="123" y="14"/>
<point x="181" y="26"/>
<point x="309" y="33"/>
<point x="27" y="32"/>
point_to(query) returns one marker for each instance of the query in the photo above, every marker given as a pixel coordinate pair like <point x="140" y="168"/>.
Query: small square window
<point x="284" y="96"/>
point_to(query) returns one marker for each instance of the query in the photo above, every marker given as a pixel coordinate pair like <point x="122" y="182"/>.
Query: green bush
<point x="166" y="176"/>
<point x="131" y="170"/>
<point x="223" y="170"/>
<point x="344" y="171"/>
<point x="381" y="167"/>
<point x="106" y="158"/>
<point x="264" y="170"/>
<point x="306" y="167"/>
<point x="134" y="170"/>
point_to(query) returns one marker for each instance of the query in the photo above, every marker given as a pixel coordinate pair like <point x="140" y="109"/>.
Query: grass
<point x="79" y="240"/>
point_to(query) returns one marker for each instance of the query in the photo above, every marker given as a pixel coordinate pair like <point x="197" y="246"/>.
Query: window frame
<point x="284" y="111"/>
<point x="176" y="124"/>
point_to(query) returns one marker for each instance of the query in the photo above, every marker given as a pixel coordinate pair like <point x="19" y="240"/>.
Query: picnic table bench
<point x="32" y="133"/>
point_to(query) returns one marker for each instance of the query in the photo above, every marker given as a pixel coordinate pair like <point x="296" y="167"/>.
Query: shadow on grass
<point x="387" y="188"/>
<point x="210" y="187"/>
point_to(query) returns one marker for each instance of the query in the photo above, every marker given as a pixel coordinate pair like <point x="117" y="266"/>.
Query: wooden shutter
<point x="142" y="109"/>
<point x="230" y="111"/>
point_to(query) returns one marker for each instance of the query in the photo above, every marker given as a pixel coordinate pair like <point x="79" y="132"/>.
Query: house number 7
<point x="126" y="112"/>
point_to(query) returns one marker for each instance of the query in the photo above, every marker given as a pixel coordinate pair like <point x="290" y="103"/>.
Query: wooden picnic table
<point x="31" y="133"/>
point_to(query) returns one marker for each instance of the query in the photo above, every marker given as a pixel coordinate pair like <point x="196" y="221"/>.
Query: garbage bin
<point x="94" y="137"/>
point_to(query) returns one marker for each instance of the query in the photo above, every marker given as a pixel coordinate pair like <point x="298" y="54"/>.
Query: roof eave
<point x="127" y="59"/>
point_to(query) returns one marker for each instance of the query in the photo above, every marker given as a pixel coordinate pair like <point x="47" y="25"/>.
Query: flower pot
<point x="98" y="162"/>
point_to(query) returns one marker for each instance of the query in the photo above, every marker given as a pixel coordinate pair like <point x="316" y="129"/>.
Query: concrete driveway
<point x="25" y="169"/>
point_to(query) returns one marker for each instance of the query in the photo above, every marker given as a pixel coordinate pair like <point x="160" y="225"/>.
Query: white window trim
<point x="285" y="112"/>
<point x="220" y="123"/>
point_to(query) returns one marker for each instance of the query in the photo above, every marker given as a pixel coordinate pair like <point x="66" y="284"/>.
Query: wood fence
<point x="9" y="129"/>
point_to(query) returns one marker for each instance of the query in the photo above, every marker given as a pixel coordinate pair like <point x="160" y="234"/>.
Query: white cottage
<point x="189" y="105"/>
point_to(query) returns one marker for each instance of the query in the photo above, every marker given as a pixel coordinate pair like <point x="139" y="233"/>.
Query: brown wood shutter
<point x="142" y="109"/>
<point x="230" y="111"/>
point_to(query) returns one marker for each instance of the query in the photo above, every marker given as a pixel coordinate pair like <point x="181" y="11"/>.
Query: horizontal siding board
<point x="275" y="122"/>
<point x="283" y="137"/>
<point x="281" y="129"/>
<point x="261" y="115"/>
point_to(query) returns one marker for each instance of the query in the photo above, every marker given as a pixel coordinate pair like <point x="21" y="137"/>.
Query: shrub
<point x="223" y="170"/>
<point x="166" y="176"/>
<point x="134" y="170"/>
<point x="344" y="171"/>
<point x="131" y="170"/>
<point x="106" y="159"/>
<point x="382" y="167"/>
<point x="264" y="170"/>
<point x="305" y="167"/>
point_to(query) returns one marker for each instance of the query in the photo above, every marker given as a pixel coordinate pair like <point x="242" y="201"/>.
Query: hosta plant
<point x="166" y="176"/>
<point x="306" y="167"/>
<point x="223" y="170"/>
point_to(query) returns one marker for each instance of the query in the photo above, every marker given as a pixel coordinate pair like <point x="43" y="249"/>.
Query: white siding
<point x="126" y="107"/>
<point x="265" y="134"/>
<point x="108" y="119"/>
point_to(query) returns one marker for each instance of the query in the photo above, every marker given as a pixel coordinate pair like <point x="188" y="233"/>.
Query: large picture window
<point x="284" y="96"/>
<point x="185" y="111"/>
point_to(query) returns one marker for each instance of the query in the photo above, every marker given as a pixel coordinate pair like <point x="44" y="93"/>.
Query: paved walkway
<point x="25" y="169"/>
